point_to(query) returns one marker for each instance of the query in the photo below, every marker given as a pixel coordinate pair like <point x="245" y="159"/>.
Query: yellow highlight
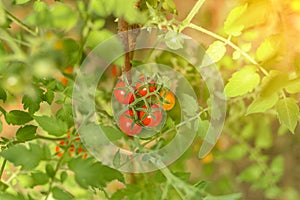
<point x="208" y="158"/>
<point x="295" y="5"/>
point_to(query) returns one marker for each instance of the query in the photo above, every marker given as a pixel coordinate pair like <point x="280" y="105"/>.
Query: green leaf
<point x="250" y="174"/>
<point x="94" y="174"/>
<point x="3" y="95"/>
<point x="274" y="83"/>
<point x="30" y="157"/>
<point x="242" y="82"/>
<point x="262" y="104"/>
<point x="216" y="51"/>
<point x="288" y="113"/>
<point x="63" y="16"/>
<point x="26" y="133"/>
<point x="39" y="178"/>
<point x="7" y="196"/>
<point x="277" y="166"/>
<point x="49" y="97"/>
<point x="3" y="186"/>
<point x="269" y="48"/>
<point x="231" y="26"/>
<point x="203" y="128"/>
<point x="117" y="159"/>
<point x="264" y="138"/>
<point x="236" y="152"/>
<point x="293" y="86"/>
<point x="21" y="1"/>
<point x="61" y="194"/>
<point x="50" y="170"/>
<point x="95" y="37"/>
<point x="111" y="133"/>
<point x="32" y="103"/>
<point x="189" y="105"/>
<point x="174" y="40"/>
<point x="17" y="117"/>
<point x="63" y="176"/>
<point x="65" y="114"/>
<point x="52" y="125"/>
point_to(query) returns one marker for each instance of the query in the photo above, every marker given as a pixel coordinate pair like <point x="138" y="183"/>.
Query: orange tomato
<point x="169" y="100"/>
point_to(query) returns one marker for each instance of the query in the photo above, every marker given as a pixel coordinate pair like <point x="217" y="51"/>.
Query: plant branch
<point x="193" y="12"/>
<point x="2" y="168"/>
<point x="20" y="23"/>
<point x="231" y="44"/>
<point x="49" y="138"/>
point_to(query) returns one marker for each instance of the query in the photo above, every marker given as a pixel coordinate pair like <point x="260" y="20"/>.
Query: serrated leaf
<point x="52" y="125"/>
<point x="17" y="117"/>
<point x="26" y="133"/>
<point x="269" y="48"/>
<point x="3" y="95"/>
<point x="242" y="82"/>
<point x="288" y="113"/>
<point x="30" y="157"/>
<point x="216" y="51"/>
<point x="61" y="194"/>
<point x="231" y="26"/>
<point x="32" y="103"/>
<point x="262" y="104"/>
<point x="89" y="173"/>
<point x="49" y="97"/>
<point x="189" y="105"/>
<point x="174" y="40"/>
<point x="65" y="114"/>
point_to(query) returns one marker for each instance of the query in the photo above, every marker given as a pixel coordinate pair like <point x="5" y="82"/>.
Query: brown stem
<point x="123" y="30"/>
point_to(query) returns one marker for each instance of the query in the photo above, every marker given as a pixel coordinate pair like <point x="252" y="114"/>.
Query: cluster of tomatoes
<point x="75" y="148"/>
<point x="145" y="101"/>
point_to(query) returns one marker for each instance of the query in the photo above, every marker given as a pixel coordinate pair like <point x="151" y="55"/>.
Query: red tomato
<point x="153" y="118"/>
<point x="127" y="124"/>
<point x="122" y="94"/>
<point x="141" y="86"/>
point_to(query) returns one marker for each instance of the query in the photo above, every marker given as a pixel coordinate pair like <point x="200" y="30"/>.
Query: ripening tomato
<point x="122" y="94"/>
<point x="127" y="124"/>
<point x="141" y="86"/>
<point x="169" y="100"/>
<point x="153" y="118"/>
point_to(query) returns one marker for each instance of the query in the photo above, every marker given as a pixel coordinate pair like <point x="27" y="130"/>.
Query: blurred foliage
<point x="254" y="44"/>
